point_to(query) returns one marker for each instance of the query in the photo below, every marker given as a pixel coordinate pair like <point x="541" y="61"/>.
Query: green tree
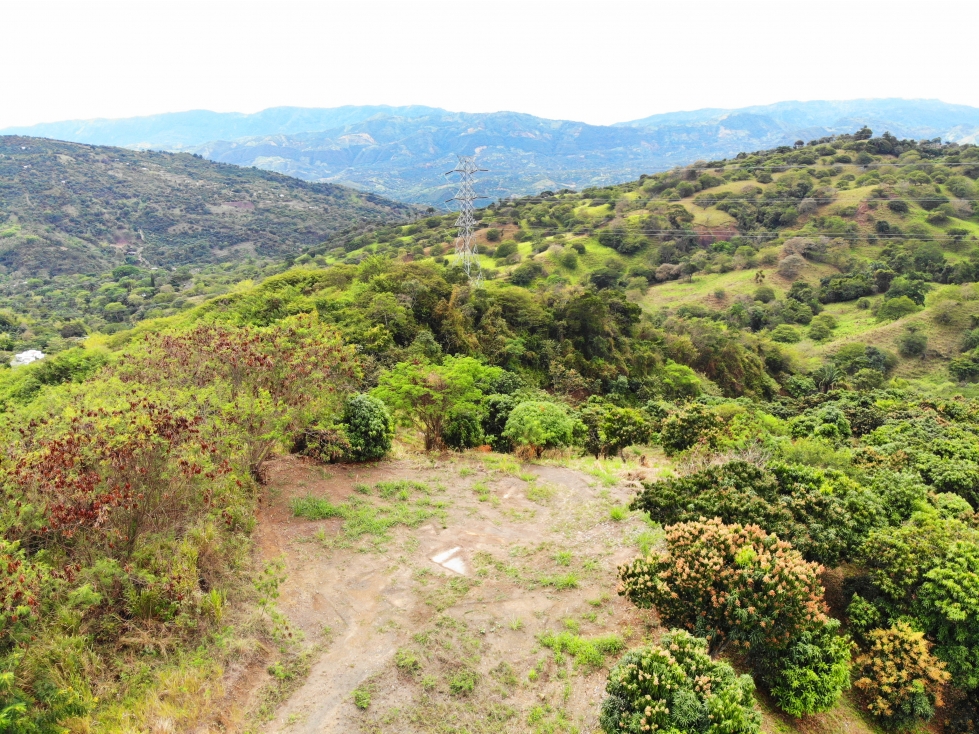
<point x="424" y="395"/>
<point x="624" y="427"/>
<point x="538" y="426"/>
<point x="676" y="687"/>
<point x="948" y="604"/>
<point x="687" y="427"/>
<point x="811" y="675"/>
<point x="369" y="427"/>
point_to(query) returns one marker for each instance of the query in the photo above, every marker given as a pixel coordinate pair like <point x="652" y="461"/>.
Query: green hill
<point x="775" y="352"/>
<point x="72" y="208"/>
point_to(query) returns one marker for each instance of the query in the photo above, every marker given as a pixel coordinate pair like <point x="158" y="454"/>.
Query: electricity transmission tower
<point x="465" y="247"/>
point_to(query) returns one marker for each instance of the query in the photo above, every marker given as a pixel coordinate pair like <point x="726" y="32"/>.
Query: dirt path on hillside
<point x="464" y="594"/>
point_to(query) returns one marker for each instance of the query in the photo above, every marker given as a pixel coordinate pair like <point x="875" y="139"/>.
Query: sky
<point x="600" y="61"/>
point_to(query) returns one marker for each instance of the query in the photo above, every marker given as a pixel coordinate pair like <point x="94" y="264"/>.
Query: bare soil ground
<point x="442" y="624"/>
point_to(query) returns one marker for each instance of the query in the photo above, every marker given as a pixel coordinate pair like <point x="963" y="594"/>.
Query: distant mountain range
<point x="402" y="152"/>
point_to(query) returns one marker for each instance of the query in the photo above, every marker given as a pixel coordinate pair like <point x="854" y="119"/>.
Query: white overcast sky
<point x="599" y="61"/>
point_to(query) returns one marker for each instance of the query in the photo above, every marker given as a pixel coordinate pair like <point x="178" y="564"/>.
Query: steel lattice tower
<point x="466" y="222"/>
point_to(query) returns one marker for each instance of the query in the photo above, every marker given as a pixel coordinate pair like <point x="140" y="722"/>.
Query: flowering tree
<point x="728" y="583"/>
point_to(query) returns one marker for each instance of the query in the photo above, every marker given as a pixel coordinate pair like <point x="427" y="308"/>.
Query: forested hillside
<point x="70" y="208"/>
<point x="791" y="335"/>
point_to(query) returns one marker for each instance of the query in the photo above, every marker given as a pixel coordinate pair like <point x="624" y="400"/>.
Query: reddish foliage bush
<point x="114" y="475"/>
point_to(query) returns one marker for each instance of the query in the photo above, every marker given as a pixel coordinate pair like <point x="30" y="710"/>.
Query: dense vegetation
<point x="826" y="484"/>
<point x="72" y="208"/>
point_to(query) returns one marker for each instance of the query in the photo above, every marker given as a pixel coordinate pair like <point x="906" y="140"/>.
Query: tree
<point x="867" y="379"/>
<point x="790" y="267"/>
<point x="369" y="427"/>
<point x="676" y="687"/>
<point x="729" y="584"/>
<point x="824" y="515"/>
<point x="425" y="395"/>
<point x="912" y="343"/>
<point x="685" y="428"/>
<point x="266" y="383"/>
<point x="676" y="382"/>
<point x="948" y="603"/>
<point x="538" y="426"/>
<point x="827" y="377"/>
<point x="809" y="677"/>
<point x="899" y="678"/>
<point x="624" y="427"/>
<point x="110" y="477"/>
<point x="897" y="308"/>
<point x="609" y="429"/>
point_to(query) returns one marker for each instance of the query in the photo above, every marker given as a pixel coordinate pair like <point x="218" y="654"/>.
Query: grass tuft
<point x="586" y="652"/>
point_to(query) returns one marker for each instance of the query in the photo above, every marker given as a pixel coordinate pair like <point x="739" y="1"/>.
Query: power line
<point x="769" y="234"/>
<point x="761" y="199"/>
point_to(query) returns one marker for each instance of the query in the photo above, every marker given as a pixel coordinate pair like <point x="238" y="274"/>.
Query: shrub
<point x="912" y="343"/>
<point x="933" y="201"/>
<point x="949" y="607"/>
<point x="790" y="267"/>
<point x="569" y="259"/>
<point x="527" y="273"/>
<point x="325" y="444"/>
<point x="685" y="428"/>
<point x="785" y="334"/>
<point x="899" y="678"/>
<point x="964" y="369"/>
<point x="896" y="308"/>
<point x="464" y="430"/>
<point x="867" y="379"/>
<point x="812" y="673"/>
<point x="505" y="250"/>
<point x="538" y="426"/>
<point x="898" y="206"/>
<point x="819" y="331"/>
<point x="369" y="427"/>
<point x="730" y="584"/>
<point x="825" y="515"/>
<point x="497" y="411"/>
<point x="674" y="687"/>
<point x="764" y="293"/>
<point x="493" y="235"/>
